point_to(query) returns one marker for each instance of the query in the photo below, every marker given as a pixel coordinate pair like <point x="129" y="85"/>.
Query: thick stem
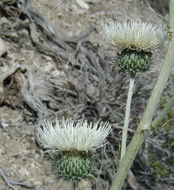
<point x="125" y="164"/>
<point x="171" y="21"/>
<point x="145" y="123"/>
<point x="136" y="143"/>
<point x="127" y="115"/>
<point x="162" y="79"/>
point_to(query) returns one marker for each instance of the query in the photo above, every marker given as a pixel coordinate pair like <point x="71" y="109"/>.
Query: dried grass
<point x="86" y="85"/>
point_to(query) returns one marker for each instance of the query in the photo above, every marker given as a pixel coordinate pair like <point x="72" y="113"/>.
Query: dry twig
<point x="10" y="183"/>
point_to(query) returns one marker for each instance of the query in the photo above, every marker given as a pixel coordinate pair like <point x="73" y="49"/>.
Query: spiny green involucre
<point x="136" y="41"/>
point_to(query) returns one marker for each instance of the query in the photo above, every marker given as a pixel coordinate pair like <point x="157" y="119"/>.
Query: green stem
<point x="145" y="123"/>
<point x="162" y="79"/>
<point x="162" y="115"/>
<point x="171" y="21"/>
<point x="75" y="185"/>
<point x="136" y="142"/>
<point x="127" y="115"/>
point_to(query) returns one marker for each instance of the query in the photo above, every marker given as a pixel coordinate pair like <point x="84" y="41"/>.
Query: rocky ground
<point x="21" y="158"/>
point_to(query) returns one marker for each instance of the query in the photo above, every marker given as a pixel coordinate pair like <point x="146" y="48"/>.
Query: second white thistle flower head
<point x="135" y="35"/>
<point x="70" y="135"/>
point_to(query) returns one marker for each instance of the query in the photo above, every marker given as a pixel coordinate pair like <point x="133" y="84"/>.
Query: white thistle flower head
<point x="70" y="135"/>
<point x="135" y="35"/>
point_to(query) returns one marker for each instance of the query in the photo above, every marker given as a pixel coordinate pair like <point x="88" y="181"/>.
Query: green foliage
<point x="134" y="61"/>
<point x="74" y="166"/>
<point x="160" y="171"/>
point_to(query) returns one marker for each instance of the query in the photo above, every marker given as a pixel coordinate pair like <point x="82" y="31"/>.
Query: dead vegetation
<point x="74" y="78"/>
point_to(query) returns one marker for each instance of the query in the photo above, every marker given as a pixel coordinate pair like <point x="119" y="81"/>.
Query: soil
<point x="20" y="155"/>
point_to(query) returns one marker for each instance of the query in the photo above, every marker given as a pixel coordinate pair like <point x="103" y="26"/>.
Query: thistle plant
<point x="147" y="122"/>
<point x="74" y="143"/>
<point x="136" y="42"/>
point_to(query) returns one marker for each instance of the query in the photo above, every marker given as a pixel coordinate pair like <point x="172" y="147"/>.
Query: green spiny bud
<point x="134" y="61"/>
<point x="74" y="166"/>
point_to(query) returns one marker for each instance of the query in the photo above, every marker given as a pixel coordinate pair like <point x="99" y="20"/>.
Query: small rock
<point x="23" y="171"/>
<point x="82" y="4"/>
<point x="3" y="48"/>
<point x="85" y="185"/>
<point x="9" y="117"/>
<point x="4" y="123"/>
